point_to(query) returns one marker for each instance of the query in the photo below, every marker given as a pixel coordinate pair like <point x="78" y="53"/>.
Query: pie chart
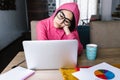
<point x="104" y="74"/>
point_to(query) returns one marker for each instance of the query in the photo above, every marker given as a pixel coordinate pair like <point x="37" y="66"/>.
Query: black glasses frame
<point x="61" y="16"/>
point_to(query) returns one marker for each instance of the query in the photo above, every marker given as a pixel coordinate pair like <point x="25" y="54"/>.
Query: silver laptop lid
<point x="51" y="54"/>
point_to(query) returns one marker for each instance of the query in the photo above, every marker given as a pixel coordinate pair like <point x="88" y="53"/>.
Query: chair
<point x="84" y="34"/>
<point x="33" y="30"/>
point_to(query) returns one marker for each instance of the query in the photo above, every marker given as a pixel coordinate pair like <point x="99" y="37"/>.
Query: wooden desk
<point x="111" y="56"/>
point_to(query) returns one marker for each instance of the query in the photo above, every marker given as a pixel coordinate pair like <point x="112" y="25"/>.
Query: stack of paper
<point x="102" y="71"/>
<point x="18" y="73"/>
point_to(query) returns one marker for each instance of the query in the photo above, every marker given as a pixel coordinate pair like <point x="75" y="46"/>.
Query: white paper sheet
<point x="95" y="72"/>
<point x="82" y="74"/>
<point x="18" y="73"/>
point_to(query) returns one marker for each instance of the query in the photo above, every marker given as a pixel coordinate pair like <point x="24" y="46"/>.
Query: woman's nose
<point x="62" y="21"/>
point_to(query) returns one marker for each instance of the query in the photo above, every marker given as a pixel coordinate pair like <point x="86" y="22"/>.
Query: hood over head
<point x="73" y="7"/>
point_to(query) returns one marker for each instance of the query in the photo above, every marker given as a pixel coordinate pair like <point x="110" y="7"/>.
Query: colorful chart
<point x="104" y="74"/>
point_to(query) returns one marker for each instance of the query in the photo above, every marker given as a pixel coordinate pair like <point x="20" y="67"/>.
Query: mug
<point x="91" y="51"/>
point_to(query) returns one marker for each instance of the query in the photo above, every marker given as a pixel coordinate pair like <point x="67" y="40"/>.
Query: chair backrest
<point x="105" y="33"/>
<point x="84" y="34"/>
<point x="33" y="30"/>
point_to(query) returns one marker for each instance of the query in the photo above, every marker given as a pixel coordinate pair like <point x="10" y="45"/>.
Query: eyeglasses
<point x="61" y="16"/>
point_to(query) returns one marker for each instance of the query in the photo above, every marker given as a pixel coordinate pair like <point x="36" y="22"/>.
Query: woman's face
<point x="63" y="18"/>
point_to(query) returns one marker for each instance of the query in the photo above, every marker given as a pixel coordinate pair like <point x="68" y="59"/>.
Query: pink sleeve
<point x="74" y="35"/>
<point x="41" y="31"/>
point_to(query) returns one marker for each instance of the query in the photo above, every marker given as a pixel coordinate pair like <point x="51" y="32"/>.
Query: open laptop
<point x="50" y="54"/>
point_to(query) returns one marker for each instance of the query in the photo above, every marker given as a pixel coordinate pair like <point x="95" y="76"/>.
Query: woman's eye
<point x="67" y="21"/>
<point x="61" y="16"/>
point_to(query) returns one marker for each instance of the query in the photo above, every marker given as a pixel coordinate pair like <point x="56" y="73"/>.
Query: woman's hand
<point x="66" y="29"/>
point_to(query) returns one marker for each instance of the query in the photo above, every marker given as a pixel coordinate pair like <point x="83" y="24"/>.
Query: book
<point x="17" y="73"/>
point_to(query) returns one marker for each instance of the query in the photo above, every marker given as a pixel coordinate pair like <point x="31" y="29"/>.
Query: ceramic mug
<point x="91" y="51"/>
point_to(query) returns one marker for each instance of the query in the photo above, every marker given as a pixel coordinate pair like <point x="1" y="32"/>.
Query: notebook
<point x="50" y="54"/>
<point x="17" y="73"/>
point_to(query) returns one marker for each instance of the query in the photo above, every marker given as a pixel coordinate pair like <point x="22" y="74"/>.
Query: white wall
<point x="106" y="9"/>
<point x="12" y="23"/>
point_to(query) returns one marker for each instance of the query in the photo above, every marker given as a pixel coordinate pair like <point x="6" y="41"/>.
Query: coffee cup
<point x="91" y="51"/>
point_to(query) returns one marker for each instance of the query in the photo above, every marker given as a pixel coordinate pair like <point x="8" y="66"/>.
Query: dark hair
<point x="72" y="26"/>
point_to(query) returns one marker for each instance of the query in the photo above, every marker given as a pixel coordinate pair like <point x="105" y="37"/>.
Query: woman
<point x="61" y="25"/>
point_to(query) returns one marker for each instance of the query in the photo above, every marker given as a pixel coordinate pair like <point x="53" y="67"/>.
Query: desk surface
<point x="111" y="56"/>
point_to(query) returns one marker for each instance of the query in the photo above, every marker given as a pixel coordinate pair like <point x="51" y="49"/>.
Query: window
<point x="7" y="5"/>
<point x="87" y="8"/>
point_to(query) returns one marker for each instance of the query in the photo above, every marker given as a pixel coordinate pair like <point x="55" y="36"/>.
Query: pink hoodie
<point x="46" y="31"/>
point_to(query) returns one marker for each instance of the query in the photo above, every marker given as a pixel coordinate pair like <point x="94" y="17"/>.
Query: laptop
<point x="50" y="54"/>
